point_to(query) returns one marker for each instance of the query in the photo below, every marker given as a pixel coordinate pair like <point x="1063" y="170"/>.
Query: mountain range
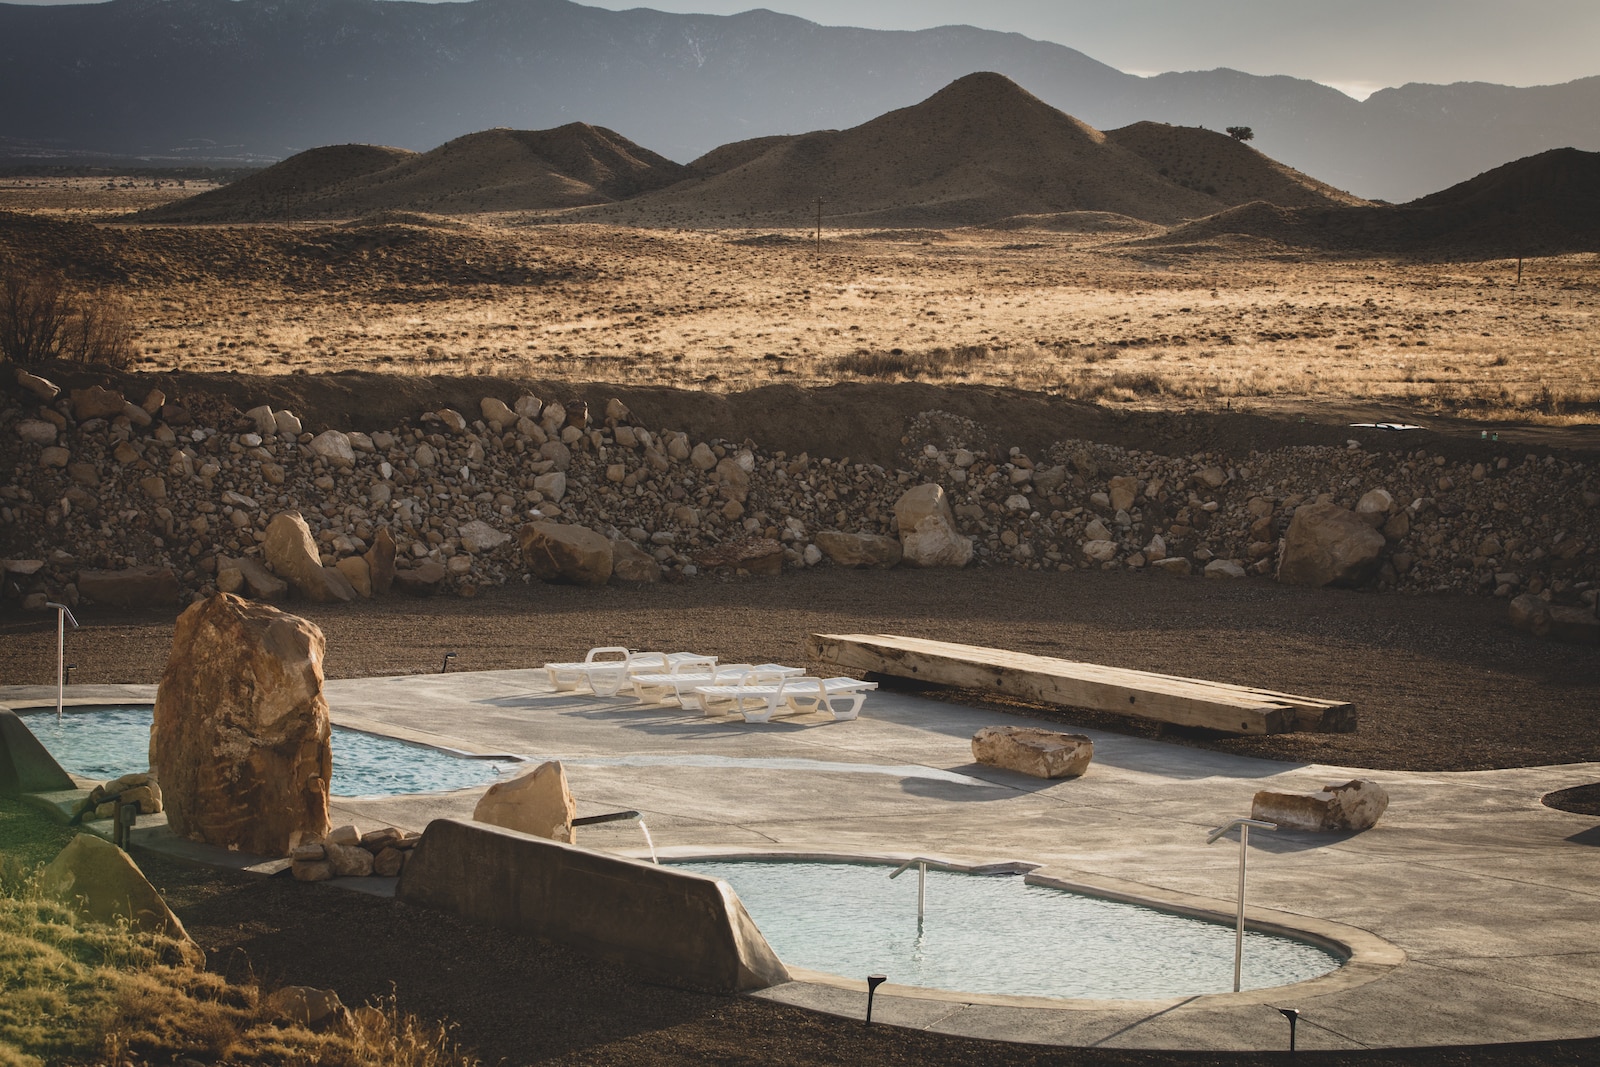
<point x="979" y="151"/>
<point x="225" y="80"/>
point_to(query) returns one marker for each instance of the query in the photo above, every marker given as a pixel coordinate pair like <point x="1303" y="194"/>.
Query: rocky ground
<point x="111" y="482"/>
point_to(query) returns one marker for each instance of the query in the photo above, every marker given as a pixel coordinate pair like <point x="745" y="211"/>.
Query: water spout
<point x="622" y="816"/>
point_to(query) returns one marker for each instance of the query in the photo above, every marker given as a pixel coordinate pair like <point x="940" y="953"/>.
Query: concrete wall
<point x="25" y="765"/>
<point x="675" y="927"/>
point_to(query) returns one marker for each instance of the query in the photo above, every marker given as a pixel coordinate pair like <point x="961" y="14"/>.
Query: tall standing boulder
<point x="240" y="741"/>
<point x="928" y="534"/>
<point x="1329" y="545"/>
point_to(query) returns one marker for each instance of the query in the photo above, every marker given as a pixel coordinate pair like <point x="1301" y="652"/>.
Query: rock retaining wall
<point x="103" y="485"/>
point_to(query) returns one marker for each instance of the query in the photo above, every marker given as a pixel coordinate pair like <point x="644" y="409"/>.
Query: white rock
<point x="1349" y="806"/>
<point x="1100" y="550"/>
<point x="334" y="446"/>
<point x="37" y="431"/>
<point x="479" y="536"/>
<point x="286" y="424"/>
<point x="1224" y="568"/>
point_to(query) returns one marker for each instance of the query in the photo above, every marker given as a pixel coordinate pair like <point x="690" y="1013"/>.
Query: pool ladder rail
<point x="63" y="616"/>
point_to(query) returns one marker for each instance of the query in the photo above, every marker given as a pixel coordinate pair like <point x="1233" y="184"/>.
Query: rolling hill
<point x="980" y="150"/>
<point x="1546" y="204"/>
<point x="494" y="170"/>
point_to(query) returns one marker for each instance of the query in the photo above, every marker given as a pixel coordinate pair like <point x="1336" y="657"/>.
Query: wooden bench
<point x="1162" y="697"/>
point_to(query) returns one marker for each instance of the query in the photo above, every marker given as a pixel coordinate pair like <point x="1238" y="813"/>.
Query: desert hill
<point x="1547" y="204"/>
<point x="494" y="170"/>
<point x="284" y="187"/>
<point x="1218" y="165"/>
<point x="980" y="150"/>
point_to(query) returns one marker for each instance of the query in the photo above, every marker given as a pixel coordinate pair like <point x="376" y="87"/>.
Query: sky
<point x="1356" y="46"/>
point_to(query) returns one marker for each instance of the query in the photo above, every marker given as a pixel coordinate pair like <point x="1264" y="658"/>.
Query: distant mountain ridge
<point x="979" y="151"/>
<point x="225" y="79"/>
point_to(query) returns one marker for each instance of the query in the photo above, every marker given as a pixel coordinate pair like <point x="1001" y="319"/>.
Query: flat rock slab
<point x="1041" y="753"/>
<point x="1352" y="805"/>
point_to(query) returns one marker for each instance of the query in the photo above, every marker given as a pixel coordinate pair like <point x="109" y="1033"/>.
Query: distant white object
<point x="1384" y="426"/>
<point x="607" y="669"/>
<point x="679" y="682"/>
<point x="758" y="701"/>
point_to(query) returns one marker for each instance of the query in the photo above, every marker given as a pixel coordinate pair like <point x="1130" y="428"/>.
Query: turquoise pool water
<point x="108" y="742"/>
<point x="997" y="934"/>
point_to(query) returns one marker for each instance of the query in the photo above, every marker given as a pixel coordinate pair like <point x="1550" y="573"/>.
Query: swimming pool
<point x="998" y="934"/>
<point x="105" y="742"/>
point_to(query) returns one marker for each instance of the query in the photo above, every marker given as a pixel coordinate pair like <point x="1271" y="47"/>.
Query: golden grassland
<point x="1083" y="315"/>
<point x="75" y="992"/>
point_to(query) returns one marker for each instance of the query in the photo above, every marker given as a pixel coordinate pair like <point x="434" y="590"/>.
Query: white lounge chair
<point x="679" y="682"/>
<point x="758" y="699"/>
<point x="605" y="670"/>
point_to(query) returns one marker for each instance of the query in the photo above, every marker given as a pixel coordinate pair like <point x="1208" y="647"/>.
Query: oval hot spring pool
<point x="996" y="934"/>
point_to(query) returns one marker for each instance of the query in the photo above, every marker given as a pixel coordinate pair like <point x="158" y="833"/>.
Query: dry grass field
<point x="1051" y="306"/>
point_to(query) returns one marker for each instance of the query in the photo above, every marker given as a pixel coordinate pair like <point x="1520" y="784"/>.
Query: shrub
<point x="40" y="319"/>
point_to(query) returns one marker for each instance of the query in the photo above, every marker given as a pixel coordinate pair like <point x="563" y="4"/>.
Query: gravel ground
<point x="1440" y="683"/>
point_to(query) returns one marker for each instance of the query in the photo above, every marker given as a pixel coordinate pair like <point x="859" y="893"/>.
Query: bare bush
<point x="40" y="319"/>
<point x="33" y="313"/>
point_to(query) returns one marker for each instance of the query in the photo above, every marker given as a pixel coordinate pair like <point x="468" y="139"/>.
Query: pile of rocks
<point x="140" y="505"/>
<point x="104" y="799"/>
<point x="346" y="852"/>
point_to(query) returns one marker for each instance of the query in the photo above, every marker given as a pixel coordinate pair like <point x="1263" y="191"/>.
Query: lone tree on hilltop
<point x="1241" y="133"/>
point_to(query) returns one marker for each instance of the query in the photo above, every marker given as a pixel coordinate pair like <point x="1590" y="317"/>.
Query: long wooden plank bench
<point x="1162" y="697"/>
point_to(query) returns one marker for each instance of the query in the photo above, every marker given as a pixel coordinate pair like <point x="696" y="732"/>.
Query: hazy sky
<point x="1355" y="45"/>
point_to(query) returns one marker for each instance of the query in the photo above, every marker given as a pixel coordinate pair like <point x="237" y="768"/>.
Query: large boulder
<point x="928" y="534"/>
<point x="254" y="578"/>
<point x="557" y="552"/>
<point x="100" y="882"/>
<point x="537" y="803"/>
<point x="1560" y="622"/>
<point x="380" y="561"/>
<point x="630" y="563"/>
<point x="1352" y="805"/>
<point x="96" y="402"/>
<point x="240" y="741"/>
<point x="751" y="555"/>
<point x="334" y="446"/>
<point x="293" y="556"/>
<point x="1029" y="750"/>
<point x="1329" y="545"/>
<point x="135" y="587"/>
<point x="859" y="549"/>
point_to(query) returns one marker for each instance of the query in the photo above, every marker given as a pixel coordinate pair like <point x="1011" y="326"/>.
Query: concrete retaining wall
<point x="25" y="765"/>
<point x="679" y="928"/>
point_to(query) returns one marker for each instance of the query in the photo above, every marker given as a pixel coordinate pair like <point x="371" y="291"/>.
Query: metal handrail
<point x="63" y="616"/>
<point x="922" y="864"/>
<point x="1244" y="826"/>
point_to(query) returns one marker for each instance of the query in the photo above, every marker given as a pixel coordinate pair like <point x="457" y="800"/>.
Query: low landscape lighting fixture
<point x="1244" y="826"/>
<point x="448" y="656"/>
<point x="873" y="982"/>
<point x="1293" y="1015"/>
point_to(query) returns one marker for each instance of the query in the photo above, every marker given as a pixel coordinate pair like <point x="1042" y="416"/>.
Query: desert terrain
<point x="1086" y="325"/>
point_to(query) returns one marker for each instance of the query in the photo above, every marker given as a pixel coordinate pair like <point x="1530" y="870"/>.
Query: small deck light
<point x="448" y="656"/>
<point x="1293" y="1015"/>
<point x="873" y="982"/>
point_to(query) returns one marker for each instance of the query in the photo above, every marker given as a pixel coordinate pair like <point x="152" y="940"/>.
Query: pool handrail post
<point x="1244" y="826"/>
<point x="923" y="863"/>
<point x="63" y="613"/>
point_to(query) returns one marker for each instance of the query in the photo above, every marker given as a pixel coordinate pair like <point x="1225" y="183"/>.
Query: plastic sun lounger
<point x="606" y="673"/>
<point x="759" y="700"/>
<point x="681" y="684"/>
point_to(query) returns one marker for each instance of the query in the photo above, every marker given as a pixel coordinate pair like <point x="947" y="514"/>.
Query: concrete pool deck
<point x="1492" y="899"/>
